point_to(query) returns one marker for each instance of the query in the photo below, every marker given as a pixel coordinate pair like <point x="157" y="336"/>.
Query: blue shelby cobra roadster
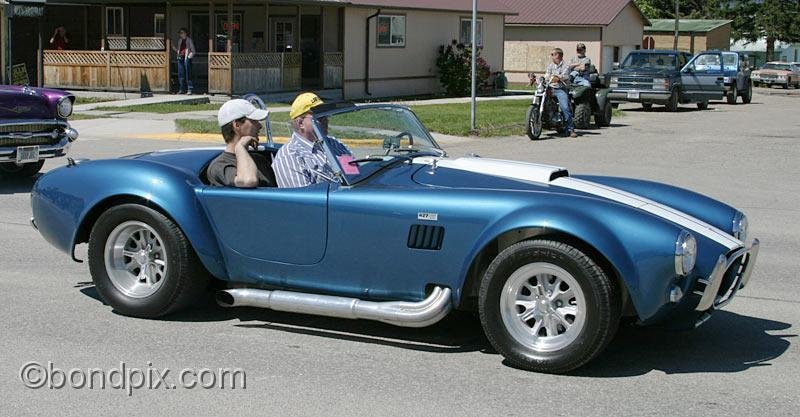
<point x="403" y="234"/>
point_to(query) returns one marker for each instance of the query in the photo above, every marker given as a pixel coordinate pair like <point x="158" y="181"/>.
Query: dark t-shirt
<point x="222" y="171"/>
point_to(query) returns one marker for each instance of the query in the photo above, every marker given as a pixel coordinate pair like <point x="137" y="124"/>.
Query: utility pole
<point x="472" y="121"/>
<point x="675" y="42"/>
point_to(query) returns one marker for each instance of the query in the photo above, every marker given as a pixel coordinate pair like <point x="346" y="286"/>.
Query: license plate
<point x="633" y="94"/>
<point x="27" y="154"/>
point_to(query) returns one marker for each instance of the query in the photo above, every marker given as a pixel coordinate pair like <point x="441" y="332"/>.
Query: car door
<point x="281" y="225"/>
<point x="703" y="77"/>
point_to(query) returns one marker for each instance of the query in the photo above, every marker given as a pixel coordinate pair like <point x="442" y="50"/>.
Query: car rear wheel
<point x="12" y="170"/>
<point x="547" y="307"/>
<point x="747" y="96"/>
<point x="703" y="105"/>
<point x="732" y="95"/>
<point x="672" y="103"/>
<point x="647" y="106"/>
<point x="142" y="264"/>
<point x="533" y="127"/>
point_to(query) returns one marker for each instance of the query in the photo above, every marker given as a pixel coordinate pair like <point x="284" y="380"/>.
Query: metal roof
<point x="685" y="25"/>
<point x="567" y="12"/>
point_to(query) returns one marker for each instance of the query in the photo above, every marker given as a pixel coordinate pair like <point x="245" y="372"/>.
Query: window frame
<point x="121" y="11"/>
<point x="163" y="18"/>
<point x="405" y="30"/>
<point x="479" y="22"/>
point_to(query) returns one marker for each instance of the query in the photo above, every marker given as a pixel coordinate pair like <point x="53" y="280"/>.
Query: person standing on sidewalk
<point x="184" y="47"/>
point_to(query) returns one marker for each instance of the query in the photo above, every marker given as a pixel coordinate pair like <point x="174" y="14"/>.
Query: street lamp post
<point x="474" y="48"/>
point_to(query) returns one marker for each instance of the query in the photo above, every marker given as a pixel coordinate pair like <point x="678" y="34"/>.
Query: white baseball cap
<point x="238" y="108"/>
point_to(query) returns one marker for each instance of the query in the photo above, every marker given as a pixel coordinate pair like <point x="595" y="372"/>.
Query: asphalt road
<point x="744" y="361"/>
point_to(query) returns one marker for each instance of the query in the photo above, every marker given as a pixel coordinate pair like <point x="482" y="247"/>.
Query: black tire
<point x="672" y="103"/>
<point x="703" y="105"/>
<point x="647" y="106"/>
<point x="583" y="115"/>
<point x="786" y="86"/>
<point x="533" y="124"/>
<point x="603" y="118"/>
<point x="26" y="170"/>
<point x="731" y="96"/>
<point x="184" y="280"/>
<point x="747" y="96"/>
<point x="599" y="291"/>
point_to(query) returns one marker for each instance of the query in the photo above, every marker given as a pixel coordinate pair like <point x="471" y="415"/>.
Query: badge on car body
<point x="428" y="216"/>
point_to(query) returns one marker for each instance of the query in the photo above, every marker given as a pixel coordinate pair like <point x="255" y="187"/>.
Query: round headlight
<point x="64" y="107"/>
<point x="740" y="226"/>
<point x="685" y="253"/>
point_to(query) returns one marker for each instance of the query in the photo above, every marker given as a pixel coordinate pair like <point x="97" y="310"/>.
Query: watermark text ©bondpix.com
<point x="46" y="375"/>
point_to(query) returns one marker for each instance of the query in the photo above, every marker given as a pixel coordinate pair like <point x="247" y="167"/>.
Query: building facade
<point x="694" y="35"/>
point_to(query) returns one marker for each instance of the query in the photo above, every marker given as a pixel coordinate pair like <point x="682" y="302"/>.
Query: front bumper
<point x="645" y="96"/>
<point x="60" y="148"/>
<point x="731" y="273"/>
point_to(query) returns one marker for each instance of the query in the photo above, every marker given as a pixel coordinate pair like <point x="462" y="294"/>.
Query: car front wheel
<point x="732" y="95"/>
<point x="12" y="170"/>
<point x="547" y="307"/>
<point x="703" y="105"/>
<point x="142" y="264"/>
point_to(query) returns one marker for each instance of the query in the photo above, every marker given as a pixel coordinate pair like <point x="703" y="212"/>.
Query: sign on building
<point x="19" y="75"/>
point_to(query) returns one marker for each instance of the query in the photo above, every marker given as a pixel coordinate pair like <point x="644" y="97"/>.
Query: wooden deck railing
<point x="237" y="73"/>
<point x="106" y="70"/>
<point x="137" y="43"/>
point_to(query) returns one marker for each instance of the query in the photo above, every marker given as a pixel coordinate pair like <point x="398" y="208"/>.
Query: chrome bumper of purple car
<point x="731" y="273"/>
<point x="60" y="148"/>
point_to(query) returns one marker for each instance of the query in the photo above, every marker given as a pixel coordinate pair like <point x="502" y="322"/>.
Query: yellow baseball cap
<point x="303" y="104"/>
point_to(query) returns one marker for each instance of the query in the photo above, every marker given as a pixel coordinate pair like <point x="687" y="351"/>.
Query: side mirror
<point x="615" y="66"/>
<point x="688" y="70"/>
<point x="391" y="142"/>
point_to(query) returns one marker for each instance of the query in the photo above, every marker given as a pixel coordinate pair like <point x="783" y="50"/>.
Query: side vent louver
<point x="425" y="237"/>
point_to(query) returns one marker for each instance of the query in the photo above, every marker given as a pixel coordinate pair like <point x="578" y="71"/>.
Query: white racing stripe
<point x="542" y="174"/>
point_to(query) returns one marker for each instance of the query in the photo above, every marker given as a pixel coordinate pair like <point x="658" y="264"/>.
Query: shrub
<point x="454" y="64"/>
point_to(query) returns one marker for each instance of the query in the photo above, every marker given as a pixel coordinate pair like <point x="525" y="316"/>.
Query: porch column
<point x="211" y="29"/>
<point x="230" y="27"/>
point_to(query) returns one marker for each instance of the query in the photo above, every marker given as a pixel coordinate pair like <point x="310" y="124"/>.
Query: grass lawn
<point x="81" y="116"/>
<point x="164" y="107"/>
<point x="495" y="118"/>
<point x="89" y="100"/>
<point x="519" y="86"/>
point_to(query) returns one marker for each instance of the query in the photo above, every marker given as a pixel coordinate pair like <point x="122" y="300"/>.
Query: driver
<point x="240" y="122"/>
<point x="557" y="75"/>
<point x="302" y="161"/>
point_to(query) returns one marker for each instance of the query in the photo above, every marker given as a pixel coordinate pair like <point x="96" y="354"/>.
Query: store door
<point x="310" y="47"/>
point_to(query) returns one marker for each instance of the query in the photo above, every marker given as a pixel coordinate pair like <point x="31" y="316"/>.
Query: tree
<point x="689" y="9"/>
<point x="773" y="20"/>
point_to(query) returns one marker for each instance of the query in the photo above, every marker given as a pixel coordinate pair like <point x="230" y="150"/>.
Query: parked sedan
<point x="402" y="234"/>
<point x="33" y="126"/>
<point x="784" y="74"/>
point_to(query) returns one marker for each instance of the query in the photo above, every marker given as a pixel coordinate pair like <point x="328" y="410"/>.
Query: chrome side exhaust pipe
<point x="399" y="313"/>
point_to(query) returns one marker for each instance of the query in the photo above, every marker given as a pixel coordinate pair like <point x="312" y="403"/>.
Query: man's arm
<point x="246" y="170"/>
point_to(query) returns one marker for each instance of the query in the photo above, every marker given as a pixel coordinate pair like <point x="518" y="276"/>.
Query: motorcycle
<point x="544" y="111"/>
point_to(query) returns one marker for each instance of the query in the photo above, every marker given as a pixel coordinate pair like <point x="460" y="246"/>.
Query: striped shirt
<point x="295" y="161"/>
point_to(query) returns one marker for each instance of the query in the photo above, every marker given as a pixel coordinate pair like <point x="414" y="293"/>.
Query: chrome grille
<point x="43" y="139"/>
<point x="635" y="82"/>
<point x="29" y="127"/>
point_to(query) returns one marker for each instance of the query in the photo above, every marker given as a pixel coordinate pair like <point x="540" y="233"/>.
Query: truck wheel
<point x="672" y="104"/>
<point x="603" y="118"/>
<point x="547" y="307"/>
<point x="533" y="125"/>
<point x="583" y="115"/>
<point x="703" y="105"/>
<point x="731" y="97"/>
<point x="26" y="170"/>
<point x="142" y="264"/>
<point x="747" y="96"/>
<point x="647" y="106"/>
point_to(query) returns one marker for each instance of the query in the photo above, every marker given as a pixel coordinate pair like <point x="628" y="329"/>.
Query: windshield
<point x="377" y="137"/>
<point x="730" y="61"/>
<point x="782" y="67"/>
<point x="656" y="61"/>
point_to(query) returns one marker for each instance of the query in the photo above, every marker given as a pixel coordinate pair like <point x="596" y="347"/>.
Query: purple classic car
<point x="33" y="126"/>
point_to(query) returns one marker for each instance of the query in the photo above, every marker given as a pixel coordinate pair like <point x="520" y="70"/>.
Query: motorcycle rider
<point x="579" y="67"/>
<point x="557" y="75"/>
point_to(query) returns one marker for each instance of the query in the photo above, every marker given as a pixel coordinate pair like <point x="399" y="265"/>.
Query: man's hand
<point x="247" y="142"/>
<point x="555" y="79"/>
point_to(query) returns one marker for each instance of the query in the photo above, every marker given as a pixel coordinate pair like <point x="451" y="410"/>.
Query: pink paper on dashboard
<point x="344" y="161"/>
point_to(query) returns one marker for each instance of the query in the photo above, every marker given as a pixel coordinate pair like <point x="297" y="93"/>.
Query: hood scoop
<point x="524" y="171"/>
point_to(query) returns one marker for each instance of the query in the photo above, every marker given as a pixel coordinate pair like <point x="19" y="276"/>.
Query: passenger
<point x="302" y="161"/>
<point x="579" y="67"/>
<point x="240" y="122"/>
